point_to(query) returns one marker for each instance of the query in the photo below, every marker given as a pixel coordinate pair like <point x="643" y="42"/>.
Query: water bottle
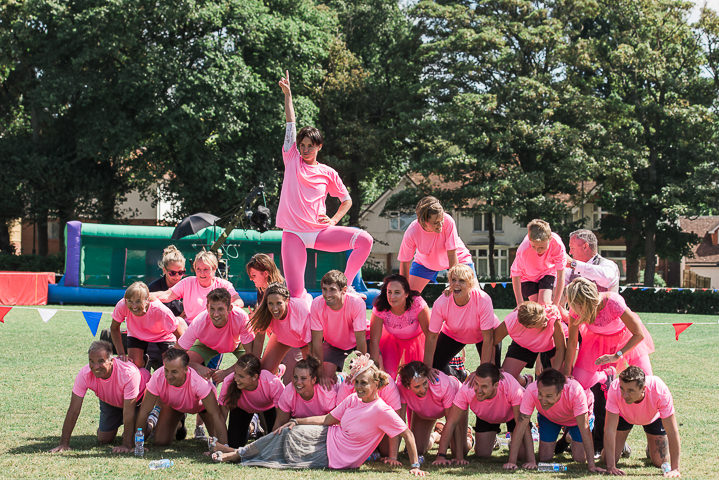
<point x="535" y="434"/>
<point x="159" y="464"/>
<point x="666" y="467"/>
<point x="551" y="467"/>
<point x="375" y="456"/>
<point x="139" y="443"/>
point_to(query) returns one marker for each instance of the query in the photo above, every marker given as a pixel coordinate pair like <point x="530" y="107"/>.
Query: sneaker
<point x="256" y="430"/>
<point x="527" y="379"/>
<point x="497" y="444"/>
<point x="181" y="432"/>
<point x="200" y="432"/>
<point x="281" y="370"/>
<point x="611" y="372"/>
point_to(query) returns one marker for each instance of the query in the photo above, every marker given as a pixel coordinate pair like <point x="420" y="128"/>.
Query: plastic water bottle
<point x="139" y="443"/>
<point x="551" y="467"/>
<point x="159" y="464"/>
<point x="666" y="467"/>
<point x="535" y="434"/>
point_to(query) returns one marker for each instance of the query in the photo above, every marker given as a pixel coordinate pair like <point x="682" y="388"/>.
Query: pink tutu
<point x="395" y="350"/>
<point x="594" y="345"/>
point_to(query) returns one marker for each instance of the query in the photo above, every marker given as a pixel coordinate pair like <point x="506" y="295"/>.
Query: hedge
<point x="32" y="263"/>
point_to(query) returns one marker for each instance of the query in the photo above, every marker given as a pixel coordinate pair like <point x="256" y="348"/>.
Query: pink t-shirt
<point x="186" y="398"/>
<point x="657" y="402"/>
<point x="361" y="428"/>
<point x="126" y="382"/>
<point x="222" y="340"/>
<point x="338" y="327"/>
<point x="265" y="396"/>
<point x="294" y="329"/>
<point x="194" y="296"/>
<point x="531" y="267"/>
<point x="156" y="325"/>
<point x="463" y="324"/>
<point x="439" y="397"/>
<point x="573" y="401"/>
<point x="608" y="320"/>
<point x="429" y="249"/>
<point x="498" y="409"/>
<point x="304" y="189"/>
<point x="320" y="404"/>
<point x="389" y="393"/>
<point x="534" y="339"/>
<point x="403" y="326"/>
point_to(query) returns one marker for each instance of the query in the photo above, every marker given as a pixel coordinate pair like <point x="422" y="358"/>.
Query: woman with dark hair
<point x="304" y="397"/>
<point x="247" y="391"/>
<point x="343" y="438"/>
<point x="399" y="323"/>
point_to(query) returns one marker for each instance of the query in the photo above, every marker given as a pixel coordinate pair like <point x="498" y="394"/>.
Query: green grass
<point x="39" y="361"/>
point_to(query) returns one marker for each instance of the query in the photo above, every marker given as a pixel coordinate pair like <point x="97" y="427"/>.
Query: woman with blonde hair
<point x="172" y="265"/>
<point x="463" y="317"/>
<point x="612" y="335"/>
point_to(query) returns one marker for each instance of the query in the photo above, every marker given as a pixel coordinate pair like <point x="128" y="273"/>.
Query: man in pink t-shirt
<point x="539" y="262"/>
<point x="119" y="385"/>
<point x="638" y="399"/>
<point x="220" y="329"/>
<point x="341" y="321"/>
<point x="560" y="402"/>
<point x="178" y="390"/>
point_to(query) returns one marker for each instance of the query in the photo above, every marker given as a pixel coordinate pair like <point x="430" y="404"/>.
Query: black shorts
<point x="532" y="288"/>
<point x="482" y="426"/>
<point x="654" y="428"/>
<point x="527" y="356"/>
<point x="133" y="342"/>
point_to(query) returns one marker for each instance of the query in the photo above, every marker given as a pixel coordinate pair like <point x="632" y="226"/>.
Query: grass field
<point x="39" y="361"/>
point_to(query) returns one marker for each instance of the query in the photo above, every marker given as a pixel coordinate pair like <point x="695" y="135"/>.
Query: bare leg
<point x="545" y="296"/>
<point x="106" y="437"/>
<point x="514" y="366"/>
<point x="422" y="428"/>
<point x="546" y="451"/>
<point x="167" y="424"/>
<point x="485" y="444"/>
<point x="658" y="449"/>
<point x="274" y="352"/>
<point x="417" y="283"/>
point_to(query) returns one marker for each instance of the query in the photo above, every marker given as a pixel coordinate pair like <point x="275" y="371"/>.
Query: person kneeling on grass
<point x="118" y="384"/>
<point x="560" y="402"/>
<point x="638" y="399"/>
<point x="179" y="390"/>
<point x="343" y="438"/>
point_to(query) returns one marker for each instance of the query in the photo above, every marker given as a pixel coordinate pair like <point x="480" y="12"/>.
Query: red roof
<point x="706" y="252"/>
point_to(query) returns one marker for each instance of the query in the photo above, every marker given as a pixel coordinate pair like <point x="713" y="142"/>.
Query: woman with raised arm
<point x="302" y="214"/>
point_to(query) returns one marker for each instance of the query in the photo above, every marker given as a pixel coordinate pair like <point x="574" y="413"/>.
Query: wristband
<point x="415" y="465"/>
<point x="619" y="353"/>
<point x="573" y="264"/>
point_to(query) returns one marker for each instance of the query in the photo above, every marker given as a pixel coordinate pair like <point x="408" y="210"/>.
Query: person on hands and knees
<point x="638" y="399"/>
<point x="119" y="385"/>
<point x="560" y="402"/>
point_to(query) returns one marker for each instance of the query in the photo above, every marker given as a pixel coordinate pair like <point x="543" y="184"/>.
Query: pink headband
<point x="359" y="364"/>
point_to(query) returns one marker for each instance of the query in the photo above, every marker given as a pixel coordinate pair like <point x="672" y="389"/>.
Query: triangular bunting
<point x="3" y="312"/>
<point x="494" y="284"/>
<point x="669" y="289"/>
<point x="657" y="289"/>
<point x="621" y="289"/>
<point x="93" y="320"/>
<point x="679" y="328"/>
<point x="691" y="289"/>
<point x="504" y="284"/>
<point x="645" y="288"/>
<point x="481" y="285"/>
<point x="634" y="288"/>
<point x="46" y="313"/>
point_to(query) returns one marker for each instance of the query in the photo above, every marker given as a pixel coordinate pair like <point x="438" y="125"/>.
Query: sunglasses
<point x="174" y="274"/>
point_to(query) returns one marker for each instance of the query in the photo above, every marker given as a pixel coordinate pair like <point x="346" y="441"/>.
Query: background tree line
<point x="516" y="102"/>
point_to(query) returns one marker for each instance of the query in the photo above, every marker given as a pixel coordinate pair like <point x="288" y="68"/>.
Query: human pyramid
<point x="594" y="377"/>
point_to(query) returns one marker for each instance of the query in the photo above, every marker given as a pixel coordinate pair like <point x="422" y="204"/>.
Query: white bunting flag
<point x="46" y="313"/>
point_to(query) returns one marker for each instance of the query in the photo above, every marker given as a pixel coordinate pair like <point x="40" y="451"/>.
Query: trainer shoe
<point x="200" y="432"/>
<point x="627" y="451"/>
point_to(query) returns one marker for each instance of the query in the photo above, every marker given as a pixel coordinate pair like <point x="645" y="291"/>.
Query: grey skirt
<point x="303" y="446"/>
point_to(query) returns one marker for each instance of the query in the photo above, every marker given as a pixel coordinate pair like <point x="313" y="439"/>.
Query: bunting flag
<point x="481" y="285"/>
<point x="621" y="289"/>
<point x="494" y="285"/>
<point x="679" y="328"/>
<point x="46" y="313"/>
<point x="93" y="320"/>
<point x="504" y="284"/>
<point x="657" y="289"/>
<point x="3" y="312"/>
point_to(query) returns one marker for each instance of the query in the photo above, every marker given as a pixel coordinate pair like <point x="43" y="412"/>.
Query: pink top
<point x="429" y="249"/>
<point x="498" y="409"/>
<point x="186" y="398"/>
<point x="156" y="325"/>
<point x="304" y="189"/>
<point x="403" y="326"/>
<point x="265" y="396"/>
<point x="573" y="401"/>
<point x="534" y="339"/>
<point x="338" y="327"/>
<point x="463" y="324"/>
<point x="389" y="393"/>
<point x="657" y="402"/>
<point x="320" y="404"/>
<point x="294" y="329"/>
<point x="194" y="296"/>
<point x="222" y="340"/>
<point x="439" y="397"/>
<point x="608" y="320"/>
<point x="531" y="267"/>
<point x="125" y="383"/>
<point x="362" y="426"/>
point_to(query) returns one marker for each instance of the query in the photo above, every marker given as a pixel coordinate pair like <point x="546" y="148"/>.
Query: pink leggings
<point x="331" y="239"/>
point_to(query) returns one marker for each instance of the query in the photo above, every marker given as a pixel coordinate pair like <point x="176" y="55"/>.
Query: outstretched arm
<point x="68" y="426"/>
<point x="291" y="131"/>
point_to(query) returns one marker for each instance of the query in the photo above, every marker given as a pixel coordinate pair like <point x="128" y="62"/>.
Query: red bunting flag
<point x="3" y="312"/>
<point x="679" y="328"/>
<point x="494" y="284"/>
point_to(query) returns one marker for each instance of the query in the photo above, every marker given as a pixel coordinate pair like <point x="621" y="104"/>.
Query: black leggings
<point x="238" y="428"/>
<point x="447" y="348"/>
